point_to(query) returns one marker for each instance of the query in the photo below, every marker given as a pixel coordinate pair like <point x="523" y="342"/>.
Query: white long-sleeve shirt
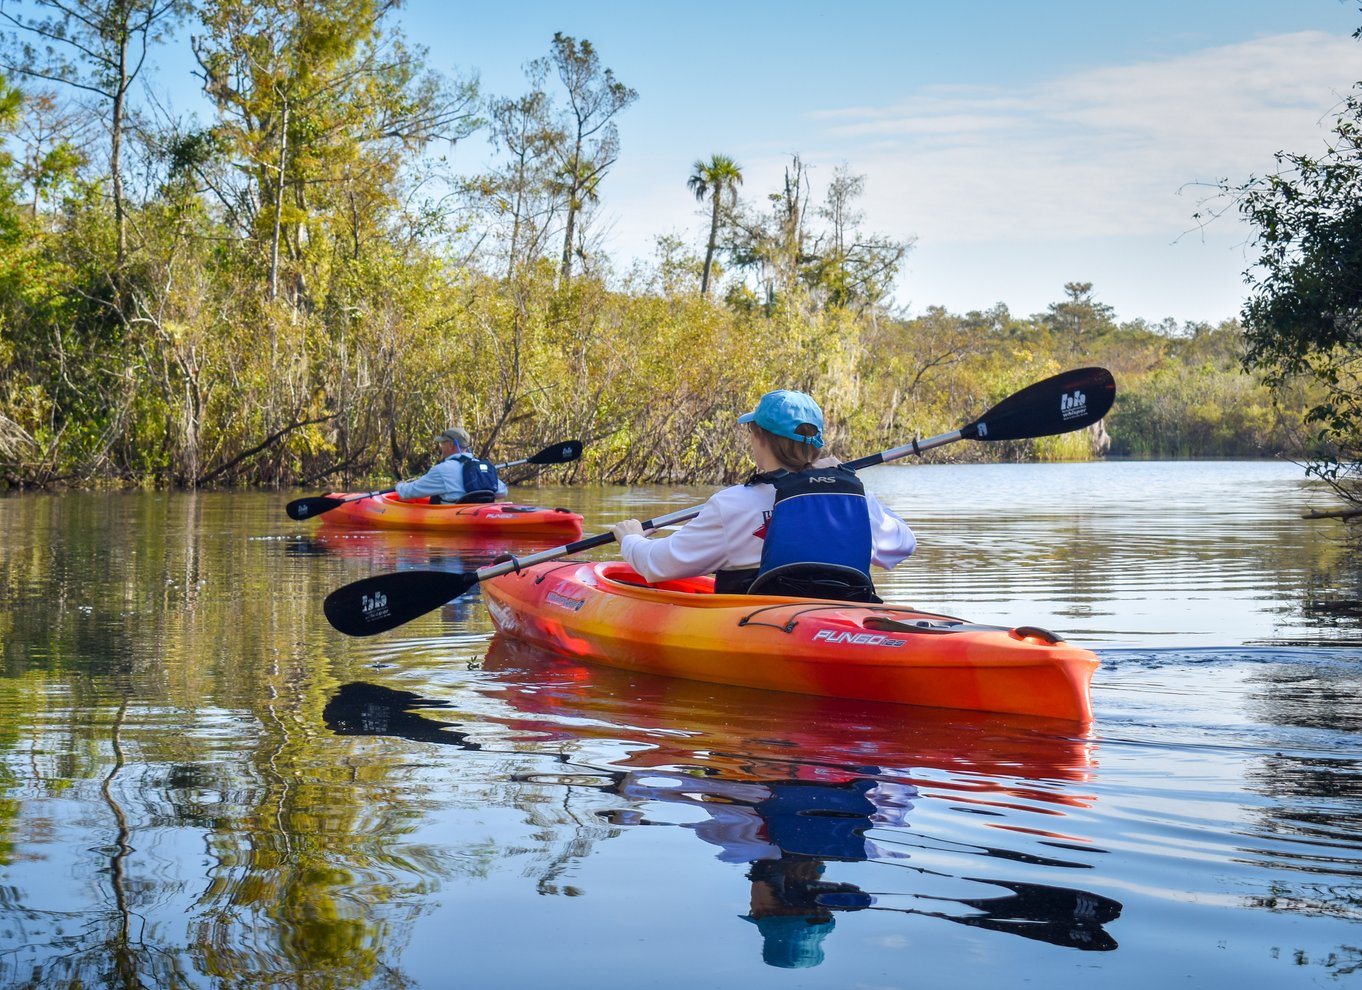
<point x="444" y="479"/>
<point x="723" y="537"/>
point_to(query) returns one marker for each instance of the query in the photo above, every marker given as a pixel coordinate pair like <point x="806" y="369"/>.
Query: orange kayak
<point x="606" y="613"/>
<point x="387" y="511"/>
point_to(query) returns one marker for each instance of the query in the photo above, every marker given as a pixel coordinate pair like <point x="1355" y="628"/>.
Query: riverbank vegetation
<point x="301" y="290"/>
<point x="1303" y="320"/>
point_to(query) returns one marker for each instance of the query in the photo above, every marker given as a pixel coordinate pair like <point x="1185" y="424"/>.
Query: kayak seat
<point x="832" y="581"/>
<point x="471" y="498"/>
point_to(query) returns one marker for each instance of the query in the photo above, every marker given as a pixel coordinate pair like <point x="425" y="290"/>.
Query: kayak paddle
<point x="1062" y="403"/>
<point x="306" y="508"/>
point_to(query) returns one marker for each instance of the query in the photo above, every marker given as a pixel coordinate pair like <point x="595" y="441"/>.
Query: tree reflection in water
<point x="787" y="829"/>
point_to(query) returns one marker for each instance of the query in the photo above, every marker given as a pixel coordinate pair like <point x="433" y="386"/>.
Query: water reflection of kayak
<point x="790" y="783"/>
<point x="784" y="785"/>
<point x="746" y="734"/>
<point x="606" y="613"/>
<point x="387" y="511"/>
<point x="418" y="549"/>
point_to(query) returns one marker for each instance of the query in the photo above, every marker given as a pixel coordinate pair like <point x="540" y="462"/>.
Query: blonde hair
<point x="794" y="455"/>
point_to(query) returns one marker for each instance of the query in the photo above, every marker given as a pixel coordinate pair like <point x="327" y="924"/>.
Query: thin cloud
<point x="1096" y="153"/>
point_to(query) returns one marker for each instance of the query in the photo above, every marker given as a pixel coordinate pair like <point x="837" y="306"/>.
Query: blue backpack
<point x="480" y="481"/>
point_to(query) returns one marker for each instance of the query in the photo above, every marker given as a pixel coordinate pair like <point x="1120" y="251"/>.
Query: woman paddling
<point x="797" y="510"/>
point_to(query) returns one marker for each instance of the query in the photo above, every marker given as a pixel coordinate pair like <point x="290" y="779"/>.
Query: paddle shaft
<point x="1060" y="404"/>
<point x="681" y="515"/>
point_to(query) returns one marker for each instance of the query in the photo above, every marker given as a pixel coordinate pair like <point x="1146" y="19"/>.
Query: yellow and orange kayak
<point x="387" y="511"/>
<point x="606" y="613"/>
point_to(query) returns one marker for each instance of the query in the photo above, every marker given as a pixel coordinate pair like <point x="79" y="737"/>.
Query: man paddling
<point x="459" y="475"/>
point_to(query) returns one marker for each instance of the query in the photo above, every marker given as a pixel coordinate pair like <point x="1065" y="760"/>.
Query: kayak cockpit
<point x="622" y="573"/>
<point x="785" y="613"/>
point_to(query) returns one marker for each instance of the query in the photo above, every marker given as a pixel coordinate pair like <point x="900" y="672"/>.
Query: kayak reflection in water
<point x="787" y="831"/>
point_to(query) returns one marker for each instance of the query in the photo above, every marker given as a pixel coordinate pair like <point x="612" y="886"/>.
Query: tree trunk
<point x="573" y="204"/>
<point x="566" y="270"/>
<point x="279" y="207"/>
<point x="115" y="159"/>
<point x="713" y="238"/>
<point x="1346" y="514"/>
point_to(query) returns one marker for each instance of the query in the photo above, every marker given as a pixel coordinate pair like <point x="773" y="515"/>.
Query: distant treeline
<point x="299" y="293"/>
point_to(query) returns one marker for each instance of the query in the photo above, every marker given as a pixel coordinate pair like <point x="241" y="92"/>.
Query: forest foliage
<point x="1303" y="320"/>
<point x="302" y="289"/>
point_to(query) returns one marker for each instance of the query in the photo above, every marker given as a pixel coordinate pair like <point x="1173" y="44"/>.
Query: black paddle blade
<point x="559" y="453"/>
<point x="1063" y="403"/>
<point x="385" y="601"/>
<point x="306" y="508"/>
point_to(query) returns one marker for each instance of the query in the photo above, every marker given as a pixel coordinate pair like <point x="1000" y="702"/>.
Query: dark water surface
<point x="203" y="785"/>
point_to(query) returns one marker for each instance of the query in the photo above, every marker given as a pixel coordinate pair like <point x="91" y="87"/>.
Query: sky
<point x="1020" y="145"/>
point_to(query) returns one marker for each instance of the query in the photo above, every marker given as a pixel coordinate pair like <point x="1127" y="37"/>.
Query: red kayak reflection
<point x="750" y="734"/>
<point x="413" y="549"/>
<point x="791" y="785"/>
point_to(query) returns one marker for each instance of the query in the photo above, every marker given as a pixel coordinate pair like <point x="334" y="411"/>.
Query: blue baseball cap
<point x="782" y="412"/>
<point x="792" y="941"/>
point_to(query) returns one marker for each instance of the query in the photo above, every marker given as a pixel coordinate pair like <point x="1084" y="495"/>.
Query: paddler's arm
<point x="892" y="541"/>
<point x="430" y="483"/>
<point x="698" y="547"/>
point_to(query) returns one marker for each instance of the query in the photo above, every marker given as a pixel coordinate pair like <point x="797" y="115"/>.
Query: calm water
<point x="203" y="785"/>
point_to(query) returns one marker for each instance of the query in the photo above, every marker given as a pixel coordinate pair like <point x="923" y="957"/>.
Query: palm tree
<point x="714" y="178"/>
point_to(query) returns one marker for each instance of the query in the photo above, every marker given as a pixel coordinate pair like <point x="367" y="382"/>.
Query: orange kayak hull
<point x="390" y="512"/>
<point x="606" y="613"/>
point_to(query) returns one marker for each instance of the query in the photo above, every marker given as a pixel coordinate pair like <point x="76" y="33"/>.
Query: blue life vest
<point x="819" y="517"/>
<point x="818" y="818"/>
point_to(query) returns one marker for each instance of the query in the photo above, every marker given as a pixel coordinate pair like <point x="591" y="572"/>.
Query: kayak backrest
<point x="478" y="497"/>
<point x="833" y="582"/>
